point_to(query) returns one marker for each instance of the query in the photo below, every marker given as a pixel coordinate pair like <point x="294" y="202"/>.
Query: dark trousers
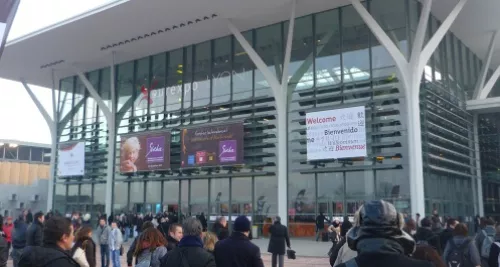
<point x="105" y="255"/>
<point x="275" y="259"/>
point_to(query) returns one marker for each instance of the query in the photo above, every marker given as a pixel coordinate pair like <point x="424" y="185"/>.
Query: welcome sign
<point x="212" y="146"/>
<point x="145" y="152"/>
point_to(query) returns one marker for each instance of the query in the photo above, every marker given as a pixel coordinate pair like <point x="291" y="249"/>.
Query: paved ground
<point x="309" y="253"/>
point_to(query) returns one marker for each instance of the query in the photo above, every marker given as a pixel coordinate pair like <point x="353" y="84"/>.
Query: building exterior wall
<point x="335" y="63"/>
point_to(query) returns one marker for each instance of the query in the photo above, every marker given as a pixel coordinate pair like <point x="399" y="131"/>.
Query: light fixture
<point x="1" y="144"/>
<point x="13" y="145"/>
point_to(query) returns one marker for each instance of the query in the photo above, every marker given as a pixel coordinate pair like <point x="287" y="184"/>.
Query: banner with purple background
<point x="145" y="152"/>
<point x="212" y="145"/>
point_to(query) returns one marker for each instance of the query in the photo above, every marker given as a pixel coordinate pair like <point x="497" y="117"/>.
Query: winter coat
<point x="221" y="231"/>
<point x="4" y="252"/>
<point x="481" y="235"/>
<point x="494" y="253"/>
<point x="34" y="234"/>
<point x="279" y="235"/>
<point x="154" y="257"/>
<point x="445" y="236"/>
<point x="19" y="237"/>
<point x="426" y="235"/>
<point x="345" y="254"/>
<point x="171" y="243"/>
<point x="237" y="251"/>
<point x="89" y="247"/>
<point x="191" y="251"/>
<point x="7" y="229"/>
<point x="472" y="252"/>
<point x="46" y="256"/>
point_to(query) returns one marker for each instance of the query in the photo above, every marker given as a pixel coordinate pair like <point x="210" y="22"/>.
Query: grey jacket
<point x="345" y="254"/>
<point x="473" y="253"/>
<point x="103" y="235"/>
<point x="489" y="230"/>
<point x="115" y="239"/>
<point x="153" y="258"/>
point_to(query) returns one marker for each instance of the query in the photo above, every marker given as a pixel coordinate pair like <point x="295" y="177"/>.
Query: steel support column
<point x="478" y="165"/>
<point x="486" y="65"/>
<point x="109" y="114"/>
<point x="52" y="123"/>
<point x="280" y="92"/>
<point x="410" y="73"/>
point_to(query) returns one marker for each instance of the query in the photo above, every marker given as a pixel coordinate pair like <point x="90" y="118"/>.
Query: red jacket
<point x="7" y="229"/>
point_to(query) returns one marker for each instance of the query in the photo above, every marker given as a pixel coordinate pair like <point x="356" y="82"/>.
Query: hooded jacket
<point x="472" y="252"/>
<point x="427" y="235"/>
<point x="34" y="234"/>
<point x="481" y="235"/>
<point x="46" y="256"/>
<point x="7" y="229"/>
<point x="19" y="237"/>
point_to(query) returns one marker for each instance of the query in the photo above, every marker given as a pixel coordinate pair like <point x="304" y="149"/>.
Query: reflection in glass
<point x="327" y="48"/>
<point x="59" y="197"/>
<point x="199" y="197"/>
<point x="242" y="70"/>
<point x="137" y="197"/>
<point x="355" y="46"/>
<point x="221" y="70"/>
<point x="120" y="196"/>
<point x="219" y="197"/>
<point x="241" y="201"/>
<point x="170" y="196"/>
<point x="201" y="83"/>
<point x="175" y="79"/>
<point x="99" y="199"/>
<point x="153" y="196"/>
<point x="269" y="46"/>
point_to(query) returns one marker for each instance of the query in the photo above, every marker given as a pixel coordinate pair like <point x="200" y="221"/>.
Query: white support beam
<point x="479" y="180"/>
<point x="410" y="73"/>
<point x="486" y="66"/>
<point x="110" y="168"/>
<point x="39" y="106"/>
<point x="280" y="92"/>
<point x="489" y="86"/>
<point x="93" y="93"/>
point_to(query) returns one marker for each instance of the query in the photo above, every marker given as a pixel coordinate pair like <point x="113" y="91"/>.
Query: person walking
<point x="18" y="239"/>
<point x="220" y="228"/>
<point x="103" y="240"/>
<point x="34" y="234"/>
<point x="495" y="250"/>
<point x="484" y="239"/>
<point x="425" y="236"/>
<point x="115" y="244"/>
<point x="320" y="225"/>
<point x="57" y="240"/>
<point x="190" y="251"/>
<point x="84" y="250"/>
<point x="380" y="240"/>
<point x="447" y="234"/>
<point x="279" y="236"/>
<point x="461" y="250"/>
<point x="237" y="250"/>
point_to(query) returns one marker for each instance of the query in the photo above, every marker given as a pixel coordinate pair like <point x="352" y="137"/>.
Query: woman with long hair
<point x="84" y="249"/>
<point x="209" y="241"/>
<point x="150" y="248"/>
<point x="428" y="253"/>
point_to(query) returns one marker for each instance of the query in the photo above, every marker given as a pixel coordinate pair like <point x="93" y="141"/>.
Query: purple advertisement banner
<point x="212" y="146"/>
<point x="145" y="152"/>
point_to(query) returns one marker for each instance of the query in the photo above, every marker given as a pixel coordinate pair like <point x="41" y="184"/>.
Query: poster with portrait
<point x="212" y="146"/>
<point x="71" y="159"/>
<point x="145" y="152"/>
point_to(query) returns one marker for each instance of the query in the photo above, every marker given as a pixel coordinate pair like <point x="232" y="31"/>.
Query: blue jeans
<point x="16" y="255"/>
<point x="104" y="255"/>
<point x="127" y="234"/>
<point x="115" y="257"/>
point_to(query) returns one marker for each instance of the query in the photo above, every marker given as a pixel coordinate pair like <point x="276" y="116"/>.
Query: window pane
<point x="60" y="198"/>
<point x="46" y="155"/>
<point x="266" y="197"/>
<point x="153" y="192"/>
<point x="157" y="86"/>
<point x="141" y="87"/>
<point x="24" y="153"/>
<point x="201" y="82"/>
<point x="137" y="196"/>
<point x="174" y="80"/>
<point x="11" y="151"/>
<point x="269" y="46"/>
<point x="199" y="197"/>
<point x="300" y="71"/>
<point x="36" y="154"/>
<point x="242" y="70"/>
<point x="170" y="195"/>
<point x="100" y="198"/>
<point x="85" y="200"/>
<point x="331" y="193"/>
<point x="355" y="46"/>
<point x="327" y="42"/>
<point x="188" y="76"/>
<point x="241" y="196"/>
<point x="221" y="71"/>
<point x="120" y="197"/>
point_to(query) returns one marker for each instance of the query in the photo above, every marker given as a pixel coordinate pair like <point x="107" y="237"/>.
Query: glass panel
<point x="120" y="197"/>
<point x="36" y="153"/>
<point x="331" y="194"/>
<point x="174" y="80"/>
<point x="355" y="46"/>
<point x="72" y="199"/>
<point x="157" y="86"/>
<point x="221" y="71"/>
<point x="266" y="202"/>
<point x="188" y="76"/>
<point x="60" y="198"/>
<point x="24" y="153"/>
<point x="300" y="71"/>
<point x="219" y="199"/>
<point x="201" y="82"/>
<point x="242" y="70"/>
<point x="137" y="197"/>
<point x="153" y="197"/>
<point x="360" y="187"/>
<point x="184" y="198"/>
<point x="302" y="204"/>
<point x="141" y="88"/>
<point x="66" y="96"/>
<point x="170" y="196"/>
<point x="100" y="200"/>
<point x="199" y="197"/>
<point x="241" y="196"/>
<point x="2" y="150"/>
<point x="11" y="151"/>
<point x="86" y="198"/>
<point x="269" y="46"/>
<point x="327" y="40"/>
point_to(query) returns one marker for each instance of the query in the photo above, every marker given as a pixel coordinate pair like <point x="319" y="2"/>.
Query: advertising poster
<point x="212" y="146"/>
<point x="336" y="134"/>
<point x="71" y="159"/>
<point x="145" y="152"/>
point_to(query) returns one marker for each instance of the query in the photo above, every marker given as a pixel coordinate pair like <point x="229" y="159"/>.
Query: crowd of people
<point x="378" y="236"/>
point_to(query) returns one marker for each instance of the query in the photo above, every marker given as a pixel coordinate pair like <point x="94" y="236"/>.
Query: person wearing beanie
<point x="237" y="250"/>
<point x="379" y="239"/>
<point x="279" y="235"/>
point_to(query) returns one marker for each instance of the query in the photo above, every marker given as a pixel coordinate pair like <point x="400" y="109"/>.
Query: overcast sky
<point x="20" y="119"/>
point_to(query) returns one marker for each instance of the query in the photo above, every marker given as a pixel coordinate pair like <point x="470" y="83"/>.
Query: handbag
<point x="121" y="250"/>
<point x="290" y="253"/>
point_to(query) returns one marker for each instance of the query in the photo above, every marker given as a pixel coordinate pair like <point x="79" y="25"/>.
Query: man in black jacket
<point x="34" y="235"/>
<point x="380" y="240"/>
<point x="58" y="239"/>
<point x="18" y="239"/>
<point x="190" y="251"/>
<point x="426" y="236"/>
<point x="279" y="235"/>
<point x="237" y="250"/>
<point x="447" y="234"/>
<point x="174" y="236"/>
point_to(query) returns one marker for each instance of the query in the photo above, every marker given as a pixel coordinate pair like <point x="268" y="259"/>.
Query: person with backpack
<point x="495" y="250"/>
<point x="461" y="250"/>
<point x="425" y="236"/>
<point x="484" y="239"/>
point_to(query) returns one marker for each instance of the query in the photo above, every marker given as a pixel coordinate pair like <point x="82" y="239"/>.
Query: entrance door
<point x="219" y="199"/>
<point x="330" y="188"/>
<point x="198" y="197"/>
<point x="241" y="197"/>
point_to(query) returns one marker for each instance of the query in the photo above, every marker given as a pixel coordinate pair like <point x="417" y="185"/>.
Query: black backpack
<point x="459" y="255"/>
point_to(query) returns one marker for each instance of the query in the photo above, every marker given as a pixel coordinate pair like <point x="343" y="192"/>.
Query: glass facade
<point x="336" y="62"/>
<point x="489" y="145"/>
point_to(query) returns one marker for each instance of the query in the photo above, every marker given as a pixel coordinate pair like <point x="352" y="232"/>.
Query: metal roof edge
<point x="66" y="21"/>
<point x="24" y="143"/>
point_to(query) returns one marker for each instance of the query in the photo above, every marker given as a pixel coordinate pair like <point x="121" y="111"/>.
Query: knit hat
<point x="242" y="224"/>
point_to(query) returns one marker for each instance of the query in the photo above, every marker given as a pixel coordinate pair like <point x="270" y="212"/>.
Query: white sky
<point x="23" y="121"/>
